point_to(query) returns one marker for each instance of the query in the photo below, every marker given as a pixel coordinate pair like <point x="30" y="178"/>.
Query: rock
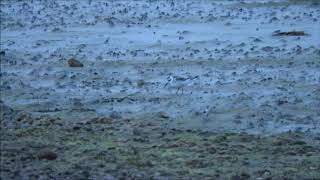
<point x="257" y="40"/>
<point x="140" y="83"/>
<point x="243" y="176"/>
<point x="108" y="177"/>
<point x="196" y="163"/>
<point x="163" y="115"/>
<point x="236" y="177"/>
<point x="282" y="102"/>
<point x="136" y="132"/>
<point x="76" y="128"/>
<point x="74" y="63"/>
<point x="267" y="49"/>
<point x="102" y="120"/>
<point x="56" y="30"/>
<point x="264" y="174"/>
<point x="115" y="115"/>
<point x="47" y="154"/>
<point x="24" y="117"/>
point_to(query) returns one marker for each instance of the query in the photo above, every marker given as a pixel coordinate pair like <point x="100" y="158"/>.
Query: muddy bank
<point x="263" y="96"/>
<point x="228" y="71"/>
<point x="145" y="148"/>
<point x="160" y="89"/>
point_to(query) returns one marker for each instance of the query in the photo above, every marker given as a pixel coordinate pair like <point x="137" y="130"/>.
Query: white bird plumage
<point x="179" y="83"/>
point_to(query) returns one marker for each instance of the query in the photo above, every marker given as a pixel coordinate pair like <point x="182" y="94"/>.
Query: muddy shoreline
<point x="145" y="148"/>
<point x="229" y="71"/>
<point x="187" y="89"/>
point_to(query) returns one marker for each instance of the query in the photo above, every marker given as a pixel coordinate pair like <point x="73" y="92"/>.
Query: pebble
<point x="164" y="115"/>
<point x="102" y="120"/>
<point x="47" y="154"/>
<point x="2" y="53"/>
<point x="72" y="62"/>
<point x="115" y="115"/>
<point x="140" y="83"/>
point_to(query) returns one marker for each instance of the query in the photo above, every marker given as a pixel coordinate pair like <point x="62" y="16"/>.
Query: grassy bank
<point x="145" y="149"/>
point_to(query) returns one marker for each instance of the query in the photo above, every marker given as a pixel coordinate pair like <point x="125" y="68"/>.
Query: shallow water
<point x="244" y="73"/>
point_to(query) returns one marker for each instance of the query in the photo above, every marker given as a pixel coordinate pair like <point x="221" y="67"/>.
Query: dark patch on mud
<point x="290" y="33"/>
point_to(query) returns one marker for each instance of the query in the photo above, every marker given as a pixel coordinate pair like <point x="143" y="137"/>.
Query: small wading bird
<point x="179" y="82"/>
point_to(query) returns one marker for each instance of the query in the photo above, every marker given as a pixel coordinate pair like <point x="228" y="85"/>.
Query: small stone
<point x="243" y="176"/>
<point x="281" y="102"/>
<point x="236" y="177"/>
<point x="56" y="30"/>
<point x="115" y="115"/>
<point x="2" y="53"/>
<point x="76" y="128"/>
<point x="140" y="83"/>
<point x="163" y="115"/>
<point x="136" y="132"/>
<point x="267" y="49"/>
<point x="257" y="40"/>
<point x="74" y="63"/>
<point x="102" y="120"/>
<point x="47" y="154"/>
<point x="108" y="177"/>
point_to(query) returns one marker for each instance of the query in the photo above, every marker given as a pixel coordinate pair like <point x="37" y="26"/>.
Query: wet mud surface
<point x="160" y="89"/>
<point x="228" y="71"/>
<point x="145" y="148"/>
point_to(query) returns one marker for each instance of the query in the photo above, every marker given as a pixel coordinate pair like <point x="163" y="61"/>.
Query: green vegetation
<point x="143" y="149"/>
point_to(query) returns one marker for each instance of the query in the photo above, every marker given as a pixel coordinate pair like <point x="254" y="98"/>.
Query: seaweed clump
<point x="289" y="33"/>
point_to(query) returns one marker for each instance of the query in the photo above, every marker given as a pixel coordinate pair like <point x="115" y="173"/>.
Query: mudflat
<point x="160" y="89"/>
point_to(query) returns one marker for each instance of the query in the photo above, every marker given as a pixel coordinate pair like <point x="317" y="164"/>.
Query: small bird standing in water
<point x="179" y="82"/>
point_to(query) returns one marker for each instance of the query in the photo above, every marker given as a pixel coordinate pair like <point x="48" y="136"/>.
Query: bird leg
<point x="180" y="88"/>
